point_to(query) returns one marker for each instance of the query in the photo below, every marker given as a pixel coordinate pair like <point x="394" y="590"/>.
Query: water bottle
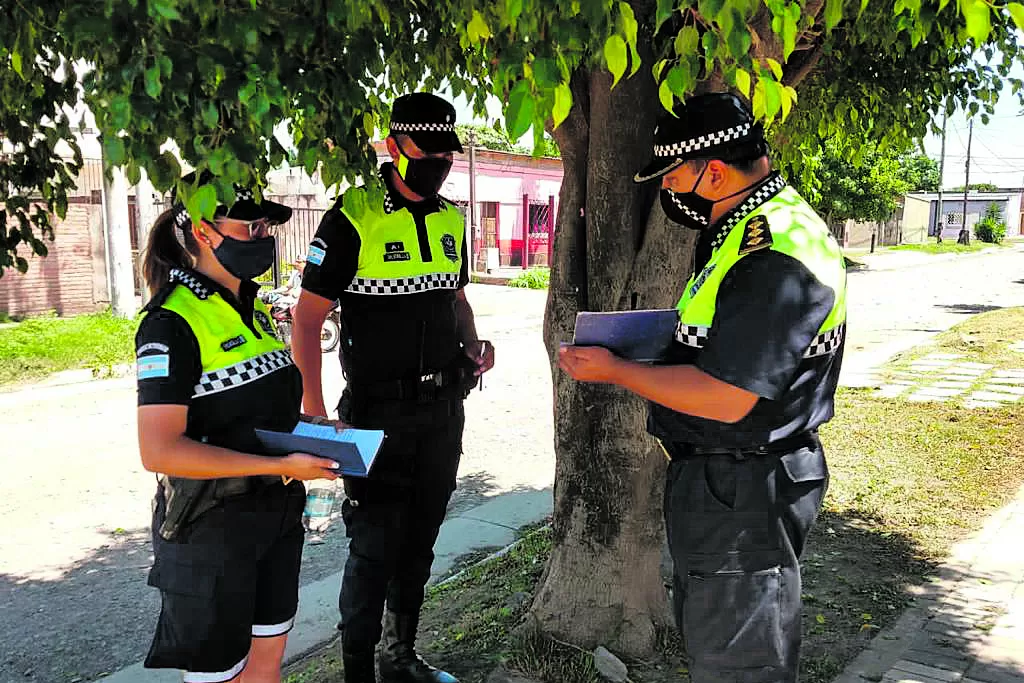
<point x="320" y="498"/>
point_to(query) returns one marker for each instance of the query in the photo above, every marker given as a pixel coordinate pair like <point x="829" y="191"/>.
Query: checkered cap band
<point x="242" y="373"/>
<point x="771" y="187"/>
<point x="186" y="278"/>
<point x="826" y="343"/>
<point x="428" y="127"/>
<point x="404" y="285"/>
<point x="181" y="216"/>
<point x="692" y="335"/>
<point x="702" y="141"/>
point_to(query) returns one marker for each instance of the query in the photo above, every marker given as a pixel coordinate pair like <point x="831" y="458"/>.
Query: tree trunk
<point x="611" y="251"/>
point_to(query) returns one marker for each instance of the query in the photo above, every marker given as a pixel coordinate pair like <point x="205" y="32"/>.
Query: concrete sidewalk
<point x="492" y="524"/>
<point x="967" y="625"/>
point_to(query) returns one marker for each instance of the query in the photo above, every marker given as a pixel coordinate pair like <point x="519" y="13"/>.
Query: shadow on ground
<point x="970" y="309"/>
<point x="98" y="615"/>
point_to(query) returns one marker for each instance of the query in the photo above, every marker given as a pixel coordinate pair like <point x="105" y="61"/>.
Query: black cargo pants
<point x="737" y="525"/>
<point x="392" y="517"/>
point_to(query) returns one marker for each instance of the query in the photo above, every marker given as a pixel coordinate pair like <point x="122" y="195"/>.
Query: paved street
<point x="75" y="502"/>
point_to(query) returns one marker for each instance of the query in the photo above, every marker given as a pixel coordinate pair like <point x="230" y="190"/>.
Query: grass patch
<point x="947" y="247"/>
<point x="40" y="346"/>
<point x="534" y="278"/>
<point x="908" y="481"/>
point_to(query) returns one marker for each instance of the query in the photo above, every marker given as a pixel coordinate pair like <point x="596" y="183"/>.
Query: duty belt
<point x="426" y="387"/>
<point x="683" y="451"/>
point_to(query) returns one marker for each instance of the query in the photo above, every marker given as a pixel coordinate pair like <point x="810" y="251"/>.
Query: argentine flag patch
<point x="153" y="367"/>
<point x="316" y="255"/>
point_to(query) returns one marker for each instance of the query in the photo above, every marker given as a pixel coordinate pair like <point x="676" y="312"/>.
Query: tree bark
<point x="603" y="583"/>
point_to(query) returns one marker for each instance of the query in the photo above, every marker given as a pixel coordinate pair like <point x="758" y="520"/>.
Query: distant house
<point x="950" y="216"/>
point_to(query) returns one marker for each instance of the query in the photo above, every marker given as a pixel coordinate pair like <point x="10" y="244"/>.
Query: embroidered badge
<point x="264" y="322"/>
<point x="153" y="367"/>
<point x="233" y="343"/>
<point x="756" y="235"/>
<point x="152" y="346"/>
<point x="450" y="250"/>
<point x="316" y="255"/>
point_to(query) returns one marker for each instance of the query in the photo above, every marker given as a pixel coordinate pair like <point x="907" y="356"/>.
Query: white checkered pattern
<point x="242" y="194"/>
<point x="432" y="127"/>
<point x="702" y="141"/>
<point x="242" y="373"/>
<point x="826" y="342"/>
<point x="771" y="187"/>
<point x="186" y="278"/>
<point x="692" y="335"/>
<point x="404" y="285"/>
<point x="181" y="216"/>
<point x="685" y="209"/>
<point x="389" y="204"/>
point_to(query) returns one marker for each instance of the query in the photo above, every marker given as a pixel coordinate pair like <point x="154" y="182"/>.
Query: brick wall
<point x="71" y="279"/>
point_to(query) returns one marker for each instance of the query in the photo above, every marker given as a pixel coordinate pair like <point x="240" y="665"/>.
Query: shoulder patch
<point x="756" y="235"/>
<point x="153" y="367"/>
<point x="152" y="347"/>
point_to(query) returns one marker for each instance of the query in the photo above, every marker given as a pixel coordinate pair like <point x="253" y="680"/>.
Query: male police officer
<point x="751" y="376"/>
<point x="410" y="353"/>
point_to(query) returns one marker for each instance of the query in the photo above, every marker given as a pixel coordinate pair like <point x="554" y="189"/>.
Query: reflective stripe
<point x="219" y="677"/>
<point x="242" y="373"/>
<point x="404" y="285"/>
<point x="825" y="343"/>
<point x="271" y="630"/>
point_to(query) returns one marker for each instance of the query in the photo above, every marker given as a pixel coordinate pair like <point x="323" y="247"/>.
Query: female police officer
<point x="227" y="531"/>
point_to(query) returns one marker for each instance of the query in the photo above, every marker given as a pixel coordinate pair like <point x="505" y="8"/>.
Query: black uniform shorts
<point x="233" y="575"/>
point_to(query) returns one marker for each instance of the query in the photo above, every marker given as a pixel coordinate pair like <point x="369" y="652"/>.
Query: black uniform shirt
<point x="395" y="336"/>
<point x="170" y="367"/>
<point x="768" y="311"/>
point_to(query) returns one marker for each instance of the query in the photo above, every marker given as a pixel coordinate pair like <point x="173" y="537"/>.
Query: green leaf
<point x="665" y="95"/>
<point x="513" y="8"/>
<point x="163" y="9"/>
<point x="789" y="30"/>
<point x="775" y="67"/>
<point x="629" y="25"/>
<point x="153" y="85"/>
<point x="113" y="150"/>
<point x="979" y="23"/>
<point x="546" y="72"/>
<point x="787" y="103"/>
<point x="743" y="82"/>
<point x="16" y="63"/>
<point x="210" y="114"/>
<point x="477" y="28"/>
<point x="1017" y="12"/>
<point x="820" y="618"/>
<point x="758" y="101"/>
<point x="563" y="104"/>
<point x="686" y="41"/>
<point x="615" y="55"/>
<point x="369" y="125"/>
<point x="203" y="203"/>
<point x="665" y="10"/>
<point x="520" y="110"/>
<point x="833" y="13"/>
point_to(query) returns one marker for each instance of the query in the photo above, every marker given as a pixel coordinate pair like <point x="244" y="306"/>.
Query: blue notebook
<point x="354" y="449"/>
<point x="643" y="336"/>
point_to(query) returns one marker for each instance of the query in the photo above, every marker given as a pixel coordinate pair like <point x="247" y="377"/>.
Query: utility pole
<point x="472" y="200"/>
<point x="119" y="243"/>
<point x="965" y="235"/>
<point x="941" y="218"/>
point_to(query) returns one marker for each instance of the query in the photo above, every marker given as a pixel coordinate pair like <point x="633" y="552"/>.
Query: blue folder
<point x="643" y="336"/>
<point x="353" y="449"/>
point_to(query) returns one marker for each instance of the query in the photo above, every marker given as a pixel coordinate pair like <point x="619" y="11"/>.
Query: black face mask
<point x="246" y="259"/>
<point x="689" y="209"/>
<point x="423" y="176"/>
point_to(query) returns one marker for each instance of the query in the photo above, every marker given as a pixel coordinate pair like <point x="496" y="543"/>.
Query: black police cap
<point x="428" y="119"/>
<point x="716" y="125"/>
<point x="245" y="207"/>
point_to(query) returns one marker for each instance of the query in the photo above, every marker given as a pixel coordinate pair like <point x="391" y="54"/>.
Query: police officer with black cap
<point x="737" y="404"/>
<point x="227" y="520"/>
<point x="410" y="354"/>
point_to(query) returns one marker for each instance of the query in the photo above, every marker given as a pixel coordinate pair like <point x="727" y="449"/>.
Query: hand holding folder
<point x="353" y="449"/>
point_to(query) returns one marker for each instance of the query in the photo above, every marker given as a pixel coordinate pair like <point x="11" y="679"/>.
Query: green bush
<point x="535" y="278"/>
<point x="991" y="227"/>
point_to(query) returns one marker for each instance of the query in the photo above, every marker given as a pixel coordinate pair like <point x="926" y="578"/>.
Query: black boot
<point x="359" y="667"/>
<point x="399" y="662"/>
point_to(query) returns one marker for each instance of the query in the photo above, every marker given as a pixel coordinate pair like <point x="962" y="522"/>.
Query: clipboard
<point x="355" y="450"/>
<point x="644" y="336"/>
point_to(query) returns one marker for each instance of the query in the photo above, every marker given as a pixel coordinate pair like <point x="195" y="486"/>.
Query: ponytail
<point x="165" y="252"/>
